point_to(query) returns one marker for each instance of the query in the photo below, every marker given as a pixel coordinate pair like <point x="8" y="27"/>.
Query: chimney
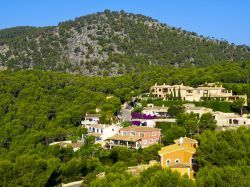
<point x="181" y="141"/>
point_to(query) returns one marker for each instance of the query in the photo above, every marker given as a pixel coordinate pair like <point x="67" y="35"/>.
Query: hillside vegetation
<point x="111" y="43"/>
<point x="38" y="107"/>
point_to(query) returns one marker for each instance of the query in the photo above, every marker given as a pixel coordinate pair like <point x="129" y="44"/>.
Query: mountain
<point x="111" y="43"/>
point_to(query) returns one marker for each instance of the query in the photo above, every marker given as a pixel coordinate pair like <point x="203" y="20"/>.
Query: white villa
<point x="152" y="122"/>
<point x="102" y="131"/>
<point x="90" y="119"/>
<point x="159" y="111"/>
<point x="188" y="93"/>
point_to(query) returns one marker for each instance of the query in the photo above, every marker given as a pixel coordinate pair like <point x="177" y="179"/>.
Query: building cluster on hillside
<point x="187" y="93"/>
<point x="223" y="120"/>
<point x="142" y="131"/>
<point x="150" y="115"/>
<point x="115" y="135"/>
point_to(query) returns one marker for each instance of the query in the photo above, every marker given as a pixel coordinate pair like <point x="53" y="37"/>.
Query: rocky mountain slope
<point x="111" y="43"/>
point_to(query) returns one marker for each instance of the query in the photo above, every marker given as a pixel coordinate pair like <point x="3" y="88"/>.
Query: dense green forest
<point x="40" y="107"/>
<point x="111" y="43"/>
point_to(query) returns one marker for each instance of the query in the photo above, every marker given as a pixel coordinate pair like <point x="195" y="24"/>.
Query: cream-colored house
<point x="159" y="111"/>
<point x="222" y="119"/>
<point x="191" y="108"/>
<point x="187" y="93"/>
<point x="230" y="119"/>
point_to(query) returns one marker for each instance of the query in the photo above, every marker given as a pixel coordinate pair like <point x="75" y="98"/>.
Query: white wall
<point x="110" y="131"/>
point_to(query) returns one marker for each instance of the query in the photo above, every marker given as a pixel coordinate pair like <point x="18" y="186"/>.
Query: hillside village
<point x="137" y="127"/>
<point x="119" y="99"/>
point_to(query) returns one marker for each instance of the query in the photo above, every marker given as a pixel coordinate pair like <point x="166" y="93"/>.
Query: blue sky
<point x="227" y="19"/>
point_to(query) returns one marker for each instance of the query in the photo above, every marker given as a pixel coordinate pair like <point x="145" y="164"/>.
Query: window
<point x="101" y="131"/>
<point x="156" y="140"/>
<point x="235" y="122"/>
<point x="90" y="128"/>
<point x="165" y="90"/>
<point x="132" y="133"/>
<point x="141" y="134"/>
<point x="177" y="161"/>
<point x="113" y="129"/>
<point x="145" y="141"/>
<point x="168" y="162"/>
<point x="97" y="130"/>
<point x="150" y="141"/>
<point x="124" y="133"/>
<point x="153" y="133"/>
<point x="191" y="160"/>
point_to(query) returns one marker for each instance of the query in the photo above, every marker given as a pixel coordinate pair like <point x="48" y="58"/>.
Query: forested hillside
<point x="39" y="107"/>
<point x="111" y="43"/>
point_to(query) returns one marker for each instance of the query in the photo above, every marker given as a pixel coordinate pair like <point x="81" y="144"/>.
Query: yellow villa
<point x="179" y="156"/>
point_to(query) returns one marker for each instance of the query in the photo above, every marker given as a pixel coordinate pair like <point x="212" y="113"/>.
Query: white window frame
<point x="177" y="161"/>
<point x="168" y="162"/>
<point x="151" y="141"/>
<point x="145" y="141"/>
<point x="132" y="133"/>
<point x="191" y="158"/>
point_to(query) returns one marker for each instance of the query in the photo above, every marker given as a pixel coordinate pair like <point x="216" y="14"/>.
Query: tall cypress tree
<point x="179" y="93"/>
<point x="174" y="94"/>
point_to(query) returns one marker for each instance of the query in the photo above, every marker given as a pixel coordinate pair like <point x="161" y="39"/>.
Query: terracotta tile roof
<point x="176" y="147"/>
<point x="139" y="128"/>
<point x="125" y="138"/>
<point x="186" y="140"/>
